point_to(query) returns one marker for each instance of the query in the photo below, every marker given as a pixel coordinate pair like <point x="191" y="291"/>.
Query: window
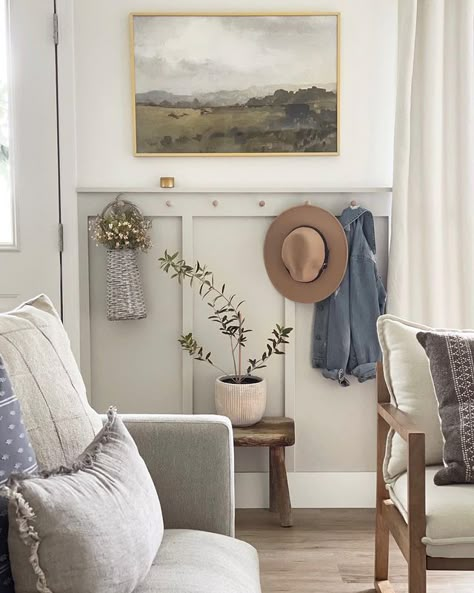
<point x="7" y="234"/>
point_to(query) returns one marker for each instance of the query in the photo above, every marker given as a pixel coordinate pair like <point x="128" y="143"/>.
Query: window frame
<point x="12" y="245"/>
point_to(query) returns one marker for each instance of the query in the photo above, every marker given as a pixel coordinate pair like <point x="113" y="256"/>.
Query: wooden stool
<point x="276" y="433"/>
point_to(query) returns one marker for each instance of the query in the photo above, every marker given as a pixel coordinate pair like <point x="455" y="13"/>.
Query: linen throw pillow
<point x="47" y="382"/>
<point x="16" y="455"/>
<point x="407" y="374"/>
<point x="95" y="525"/>
<point x="451" y="357"/>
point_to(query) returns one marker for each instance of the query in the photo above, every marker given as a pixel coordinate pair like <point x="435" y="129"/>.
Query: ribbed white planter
<point x="243" y="403"/>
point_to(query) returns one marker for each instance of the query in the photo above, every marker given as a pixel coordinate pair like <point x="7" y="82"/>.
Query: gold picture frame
<point x="149" y="108"/>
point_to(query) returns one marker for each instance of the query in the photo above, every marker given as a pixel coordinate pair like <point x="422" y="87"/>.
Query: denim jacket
<point x="344" y="331"/>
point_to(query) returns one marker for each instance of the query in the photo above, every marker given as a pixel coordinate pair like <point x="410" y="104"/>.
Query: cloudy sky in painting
<point x="189" y="55"/>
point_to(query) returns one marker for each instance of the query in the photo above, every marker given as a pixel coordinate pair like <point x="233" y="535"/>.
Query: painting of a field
<point x="237" y="85"/>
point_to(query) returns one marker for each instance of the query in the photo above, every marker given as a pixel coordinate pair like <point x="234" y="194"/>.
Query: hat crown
<point x="304" y="252"/>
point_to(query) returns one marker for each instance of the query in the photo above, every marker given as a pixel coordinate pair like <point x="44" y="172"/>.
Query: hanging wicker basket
<point x="125" y="299"/>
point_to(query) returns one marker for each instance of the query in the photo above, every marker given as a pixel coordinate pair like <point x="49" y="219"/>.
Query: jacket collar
<point x="350" y="215"/>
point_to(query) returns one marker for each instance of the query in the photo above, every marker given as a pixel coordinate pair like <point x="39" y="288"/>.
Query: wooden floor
<point x="328" y="551"/>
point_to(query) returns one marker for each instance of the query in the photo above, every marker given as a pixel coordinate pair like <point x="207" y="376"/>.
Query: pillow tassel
<point x="29" y="536"/>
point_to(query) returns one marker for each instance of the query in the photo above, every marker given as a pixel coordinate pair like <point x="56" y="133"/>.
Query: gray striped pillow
<point x="16" y="456"/>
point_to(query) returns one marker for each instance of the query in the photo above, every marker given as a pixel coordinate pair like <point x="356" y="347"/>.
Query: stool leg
<point x="273" y="491"/>
<point x="281" y="485"/>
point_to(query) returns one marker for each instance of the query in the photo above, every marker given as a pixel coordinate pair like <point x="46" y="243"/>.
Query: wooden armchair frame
<point x="388" y="518"/>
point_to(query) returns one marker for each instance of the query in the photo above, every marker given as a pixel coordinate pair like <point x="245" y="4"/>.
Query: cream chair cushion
<point x="407" y="374"/>
<point x="449" y="515"/>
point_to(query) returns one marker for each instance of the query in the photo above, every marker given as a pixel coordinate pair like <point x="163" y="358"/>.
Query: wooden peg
<point x="307" y="203"/>
<point x="215" y="203"/>
<point x="261" y="203"/>
<point x="169" y="203"/>
<point x="353" y="204"/>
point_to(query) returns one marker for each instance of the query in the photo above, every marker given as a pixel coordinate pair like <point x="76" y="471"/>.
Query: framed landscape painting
<point x="235" y="84"/>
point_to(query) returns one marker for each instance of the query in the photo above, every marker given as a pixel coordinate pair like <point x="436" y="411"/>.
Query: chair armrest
<point x="398" y="420"/>
<point x="408" y="535"/>
<point x="389" y="416"/>
<point x="191" y="462"/>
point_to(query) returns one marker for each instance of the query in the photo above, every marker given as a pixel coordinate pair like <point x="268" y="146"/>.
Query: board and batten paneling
<point x="335" y="426"/>
<point x="138" y="365"/>
<point x="232" y="247"/>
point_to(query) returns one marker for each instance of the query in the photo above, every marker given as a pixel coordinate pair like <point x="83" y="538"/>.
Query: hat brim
<point x="332" y="231"/>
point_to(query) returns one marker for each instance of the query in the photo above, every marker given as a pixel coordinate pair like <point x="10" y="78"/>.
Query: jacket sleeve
<point x="339" y="334"/>
<point x="367" y="302"/>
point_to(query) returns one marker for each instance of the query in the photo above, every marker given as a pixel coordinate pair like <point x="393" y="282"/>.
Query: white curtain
<point x="431" y="269"/>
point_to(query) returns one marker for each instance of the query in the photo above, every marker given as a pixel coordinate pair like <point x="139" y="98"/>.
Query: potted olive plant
<point x="240" y="394"/>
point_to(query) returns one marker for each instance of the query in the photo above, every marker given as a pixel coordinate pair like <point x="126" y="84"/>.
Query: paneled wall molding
<point x="237" y="203"/>
<point x="8" y="300"/>
<point x="187" y="251"/>
<point x="189" y="211"/>
<point x="235" y="190"/>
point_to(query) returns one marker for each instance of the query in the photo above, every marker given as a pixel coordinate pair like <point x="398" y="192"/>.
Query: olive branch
<point x="227" y="314"/>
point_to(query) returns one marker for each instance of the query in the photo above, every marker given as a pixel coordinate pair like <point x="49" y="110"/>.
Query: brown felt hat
<point x="305" y="254"/>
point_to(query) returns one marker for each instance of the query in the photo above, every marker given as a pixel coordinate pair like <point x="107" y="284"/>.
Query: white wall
<point x="368" y="29"/>
<point x="138" y="365"/>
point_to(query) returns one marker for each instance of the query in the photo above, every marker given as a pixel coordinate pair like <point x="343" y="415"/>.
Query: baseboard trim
<point x="310" y="490"/>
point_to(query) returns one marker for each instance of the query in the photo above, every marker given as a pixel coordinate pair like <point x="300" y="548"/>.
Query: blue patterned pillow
<point x="16" y="455"/>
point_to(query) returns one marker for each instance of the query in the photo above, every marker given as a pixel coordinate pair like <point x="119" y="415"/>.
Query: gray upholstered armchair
<point x="190" y="458"/>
